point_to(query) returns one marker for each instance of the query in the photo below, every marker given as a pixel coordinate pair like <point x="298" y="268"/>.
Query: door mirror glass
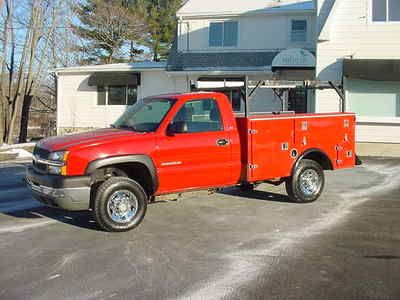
<point x="176" y="128"/>
<point x="171" y="130"/>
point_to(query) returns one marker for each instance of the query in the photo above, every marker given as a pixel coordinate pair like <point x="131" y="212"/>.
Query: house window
<point x="224" y="34"/>
<point x="386" y="10"/>
<point x="362" y="95"/>
<point x="299" y="31"/>
<point x="116" y="95"/>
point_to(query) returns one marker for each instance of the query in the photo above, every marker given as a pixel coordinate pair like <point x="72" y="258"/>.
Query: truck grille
<point x="43" y="154"/>
<point x="40" y="152"/>
<point x="38" y="167"/>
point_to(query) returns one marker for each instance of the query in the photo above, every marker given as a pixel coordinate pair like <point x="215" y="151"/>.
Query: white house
<point x="95" y="96"/>
<point x="359" y="46"/>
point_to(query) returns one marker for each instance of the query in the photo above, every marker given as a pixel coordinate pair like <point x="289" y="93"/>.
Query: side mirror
<point x="177" y="127"/>
<point x="171" y="129"/>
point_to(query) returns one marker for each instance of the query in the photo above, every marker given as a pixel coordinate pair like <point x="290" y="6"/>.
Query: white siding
<point x="378" y="133"/>
<point x="352" y="34"/>
<point x="223" y="7"/>
<point x="77" y="102"/>
<point x="256" y="33"/>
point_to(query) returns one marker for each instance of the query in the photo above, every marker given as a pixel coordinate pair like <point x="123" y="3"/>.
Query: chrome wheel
<point x="122" y="206"/>
<point x="310" y="182"/>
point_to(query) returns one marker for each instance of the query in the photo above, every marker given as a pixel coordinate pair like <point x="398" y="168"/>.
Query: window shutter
<point x="216" y="34"/>
<point x="230" y="34"/>
<point x="379" y="10"/>
<point x="394" y="10"/>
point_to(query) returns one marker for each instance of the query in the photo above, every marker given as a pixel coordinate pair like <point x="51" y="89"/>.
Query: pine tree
<point x="161" y="23"/>
<point x="106" y="26"/>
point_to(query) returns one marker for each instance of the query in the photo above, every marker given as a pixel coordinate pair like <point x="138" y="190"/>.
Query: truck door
<point x="196" y="150"/>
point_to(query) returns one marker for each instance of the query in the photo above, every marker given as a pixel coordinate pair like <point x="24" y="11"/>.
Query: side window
<point x="385" y="10"/>
<point x="299" y="31"/>
<point x="117" y="95"/>
<point x="224" y="34"/>
<point x="198" y="116"/>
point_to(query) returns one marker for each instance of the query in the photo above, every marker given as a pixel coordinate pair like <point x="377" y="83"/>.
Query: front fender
<point x="115" y="160"/>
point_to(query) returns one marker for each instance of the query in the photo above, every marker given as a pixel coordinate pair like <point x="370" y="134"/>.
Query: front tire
<point x="307" y="183"/>
<point x="120" y="204"/>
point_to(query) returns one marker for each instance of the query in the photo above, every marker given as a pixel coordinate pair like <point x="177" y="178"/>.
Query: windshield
<point x="145" y="116"/>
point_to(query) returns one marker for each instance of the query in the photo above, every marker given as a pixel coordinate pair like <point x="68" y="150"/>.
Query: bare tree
<point x="5" y="97"/>
<point x="25" y="61"/>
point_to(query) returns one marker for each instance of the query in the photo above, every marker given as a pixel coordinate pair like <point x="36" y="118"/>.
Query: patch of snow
<point x="16" y="146"/>
<point x="21" y="153"/>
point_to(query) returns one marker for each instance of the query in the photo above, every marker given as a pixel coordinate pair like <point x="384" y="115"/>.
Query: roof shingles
<point x="189" y="61"/>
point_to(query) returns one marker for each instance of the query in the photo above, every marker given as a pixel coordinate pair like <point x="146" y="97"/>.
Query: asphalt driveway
<point x="230" y="245"/>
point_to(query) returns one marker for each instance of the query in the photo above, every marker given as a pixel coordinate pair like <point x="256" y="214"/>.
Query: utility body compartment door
<point x="271" y="141"/>
<point x="275" y="143"/>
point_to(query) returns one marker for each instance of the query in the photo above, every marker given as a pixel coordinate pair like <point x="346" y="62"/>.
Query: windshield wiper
<point x="127" y="127"/>
<point x="133" y="127"/>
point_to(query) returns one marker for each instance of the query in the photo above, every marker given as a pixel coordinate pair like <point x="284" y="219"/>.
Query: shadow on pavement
<point x="256" y="195"/>
<point x="385" y="257"/>
<point x="82" y="219"/>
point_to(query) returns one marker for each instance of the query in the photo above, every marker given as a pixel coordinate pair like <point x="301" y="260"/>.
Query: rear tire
<point x="120" y="204"/>
<point x="307" y="182"/>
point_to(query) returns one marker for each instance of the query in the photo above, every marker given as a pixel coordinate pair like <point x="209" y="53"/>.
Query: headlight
<point x="55" y="170"/>
<point x="57" y="163"/>
<point x="58" y="156"/>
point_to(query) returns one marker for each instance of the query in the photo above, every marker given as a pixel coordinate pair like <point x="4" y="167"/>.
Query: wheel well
<point x="320" y="158"/>
<point x="134" y="170"/>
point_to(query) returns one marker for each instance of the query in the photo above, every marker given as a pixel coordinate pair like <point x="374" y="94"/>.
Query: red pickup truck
<point x="175" y="143"/>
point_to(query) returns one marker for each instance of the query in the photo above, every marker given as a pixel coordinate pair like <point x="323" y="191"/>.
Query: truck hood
<point x="86" y="139"/>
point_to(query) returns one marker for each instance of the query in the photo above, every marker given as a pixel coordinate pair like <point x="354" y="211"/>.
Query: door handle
<point x="222" y="142"/>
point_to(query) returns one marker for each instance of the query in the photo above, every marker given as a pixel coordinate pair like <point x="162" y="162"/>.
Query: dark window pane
<point x="198" y="116"/>
<point x="117" y="95"/>
<point x="379" y="10"/>
<point x="216" y="34"/>
<point x="132" y="95"/>
<point x="101" y="95"/>
<point x="297" y="100"/>
<point x="299" y="25"/>
<point x="236" y="100"/>
<point x="394" y="10"/>
<point x="230" y="34"/>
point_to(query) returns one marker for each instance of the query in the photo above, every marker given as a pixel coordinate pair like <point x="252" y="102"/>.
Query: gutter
<point x="79" y="70"/>
<point x="212" y="15"/>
